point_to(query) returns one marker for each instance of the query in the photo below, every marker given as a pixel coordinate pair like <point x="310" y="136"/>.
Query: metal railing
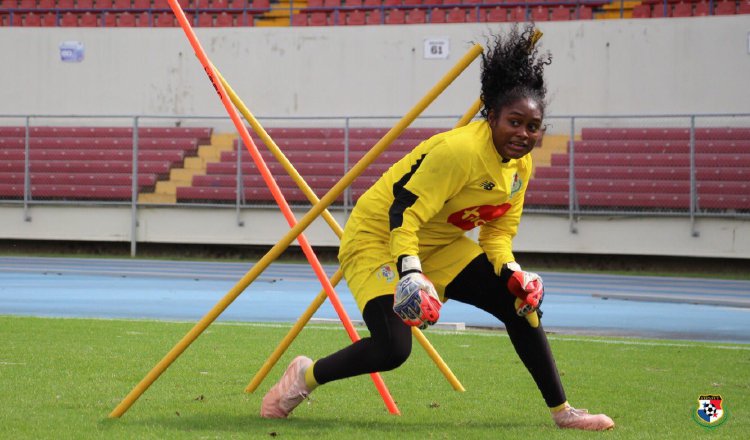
<point x="569" y="127"/>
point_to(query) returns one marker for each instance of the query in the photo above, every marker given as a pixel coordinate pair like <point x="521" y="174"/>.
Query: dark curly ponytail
<point x="512" y="68"/>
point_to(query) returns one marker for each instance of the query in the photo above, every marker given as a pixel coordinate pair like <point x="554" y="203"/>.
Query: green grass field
<point x="60" y="378"/>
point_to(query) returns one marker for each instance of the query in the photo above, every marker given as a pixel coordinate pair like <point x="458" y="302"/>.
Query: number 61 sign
<point x="437" y="48"/>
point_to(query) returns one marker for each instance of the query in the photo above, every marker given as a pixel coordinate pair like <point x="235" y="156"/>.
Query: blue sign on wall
<point x="71" y="51"/>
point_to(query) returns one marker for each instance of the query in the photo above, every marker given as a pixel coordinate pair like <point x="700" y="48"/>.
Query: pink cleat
<point x="581" y="419"/>
<point x="289" y="392"/>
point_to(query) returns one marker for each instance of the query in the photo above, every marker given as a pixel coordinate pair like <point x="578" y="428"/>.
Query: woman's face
<point x="518" y="127"/>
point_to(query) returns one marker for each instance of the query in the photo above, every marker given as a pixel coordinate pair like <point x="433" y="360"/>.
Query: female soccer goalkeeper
<point x="407" y="235"/>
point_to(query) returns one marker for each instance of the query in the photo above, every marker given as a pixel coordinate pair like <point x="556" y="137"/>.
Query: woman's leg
<point x="478" y="285"/>
<point x="387" y="347"/>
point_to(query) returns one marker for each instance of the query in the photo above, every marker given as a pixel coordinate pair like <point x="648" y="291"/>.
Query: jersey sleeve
<point x="496" y="237"/>
<point x="433" y="179"/>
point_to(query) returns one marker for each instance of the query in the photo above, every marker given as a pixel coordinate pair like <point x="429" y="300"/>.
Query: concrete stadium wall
<point x="602" y="67"/>
<point x="661" y="236"/>
<point x="606" y="67"/>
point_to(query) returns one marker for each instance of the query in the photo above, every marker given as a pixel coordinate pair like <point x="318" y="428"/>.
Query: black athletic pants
<point x="390" y="340"/>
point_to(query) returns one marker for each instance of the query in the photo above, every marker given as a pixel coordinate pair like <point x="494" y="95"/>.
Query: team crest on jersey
<point x="516" y="185"/>
<point x="469" y="218"/>
<point x="710" y="412"/>
<point x="387" y="273"/>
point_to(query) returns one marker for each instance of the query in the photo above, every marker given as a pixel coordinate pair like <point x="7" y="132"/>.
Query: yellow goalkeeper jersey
<point x="449" y="184"/>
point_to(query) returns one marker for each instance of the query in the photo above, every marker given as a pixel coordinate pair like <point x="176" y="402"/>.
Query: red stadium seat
<point x="205" y="19"/>
<point x="517" y="14"/>
<point x="121" y="4"/>
<point x="642" y="11"/>
<point x="32" y="19"/>
<point x="353" y="3"/>
<point x="224" y="19"/>
<point x="87" y="19"/>
<point x="437" y="15"/>
<point x="27" y="4"/>
<point x="395" y="16"/>
<point x="318" y="18"/>
<point x="412" y="2"/>
<point x="103" y="4"/>
<point x="539" y="13"/>
<point x="126" y="19"/>
<point x="456" y="15"/>
<point x="299" y="19"/>
<point x="497" y="14"/>
<point x="560" y="13"/>
<point x="109" y="19"/>
<point x="374" y="16"/>
<point x="46" y="4"/>
<point x="725" y="8"/>
<point x="744" y="7"/>
<point x="49" y="19"/>
<point x="69" y="19"/>
<point x="219" y="4"/>
<point x="142" y="4"/>
<point x="144" y="19"/>
<point x="701" y="9"/>
<point x="84" y="4"/>
<point x="682" y="9"/>
<point x="584" y="13"/>
<point x="65" y="4"/>
<point x="164" y="19"/>
<point x="416" y="16"/>
<point x="355" y="18"/>
<point x="661" y="10"/>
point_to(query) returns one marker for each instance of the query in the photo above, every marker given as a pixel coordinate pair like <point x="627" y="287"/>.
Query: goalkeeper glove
<point x="416" y="301"/>
<point x="527" y="287"/>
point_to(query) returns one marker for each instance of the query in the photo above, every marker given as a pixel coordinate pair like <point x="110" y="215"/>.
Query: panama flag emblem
<point x="710" y="411"/>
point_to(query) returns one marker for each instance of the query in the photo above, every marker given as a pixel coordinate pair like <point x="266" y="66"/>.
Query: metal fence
<point x="631" y="165"/>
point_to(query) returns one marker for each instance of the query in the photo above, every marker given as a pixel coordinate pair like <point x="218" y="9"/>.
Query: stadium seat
<point x="120" y="4"/>
<point x="539" y="13"/>
<point x="125" y="19"/>
<point x="642" y="11"/>
<point x="370" y="4"/>
<point x="299" y="19"/>
<point x="584" y="13"/>
<point x="725" y="8"/>
<point x="496" y="14"/>
<point x="142" y="4"/>
<point x="27" y="4"/>
<point x="437" y="15"/>
<point x="395" y="16"/>
<point x="412" y="2"/>
<point x="109" y="19"/>
<point x="224" y="19"/>
<point x="314" y="4"/>
<point x="661" y="10"/>
<point x="517" y="14"/>
<point x="65" y="4"/>
<point x="355" y="18"/>
<point x="219" y="4"/>
<point x="560" y="13"/>
<point x="87" y="19"/>
<point x="144" y="19"/>
<point x="353" y="3"/>
<point x="456" y="15"/>
<point x="318" y="18"/>
<point x="32" y="19"/>
<point x="69" y="19"/>
<point x="164" y="19"/>
<point x="45" y="4"/>
<point x="389" y="4"/>
<point x="374" y="16"/>
<point x="205" y="19"/>
<point x="84" y="4"/>
<point x="744" y="7"/>
<point x="261" y="4"/>
<point x="701" y="9"/>
<point x="103" y="4"/>
<point x="416" y="16"/>
<point x="682" y="9"/>
<point x="49" y="19"/>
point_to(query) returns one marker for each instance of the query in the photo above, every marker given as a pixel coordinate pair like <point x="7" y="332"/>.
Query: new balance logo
<point x="487" y="185"/>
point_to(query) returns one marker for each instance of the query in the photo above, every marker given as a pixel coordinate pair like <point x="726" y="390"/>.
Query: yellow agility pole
<point x="276" y="250"/>
<point x="310" y="194"/>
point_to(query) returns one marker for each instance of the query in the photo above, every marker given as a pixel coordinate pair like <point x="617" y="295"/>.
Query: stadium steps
<point x="166" y="190"/>
<point x="551" y="144"/>
<point x="611" y="11"/>
<point x="279" y="15"/>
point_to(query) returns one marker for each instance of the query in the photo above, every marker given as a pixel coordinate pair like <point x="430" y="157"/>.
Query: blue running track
<point x="656" y="307"/>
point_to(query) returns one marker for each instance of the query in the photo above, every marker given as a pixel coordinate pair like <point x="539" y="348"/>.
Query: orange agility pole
<point x="303" y="223"/>
<point x="276" y="151"/>
<point x="273" y="186"/>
